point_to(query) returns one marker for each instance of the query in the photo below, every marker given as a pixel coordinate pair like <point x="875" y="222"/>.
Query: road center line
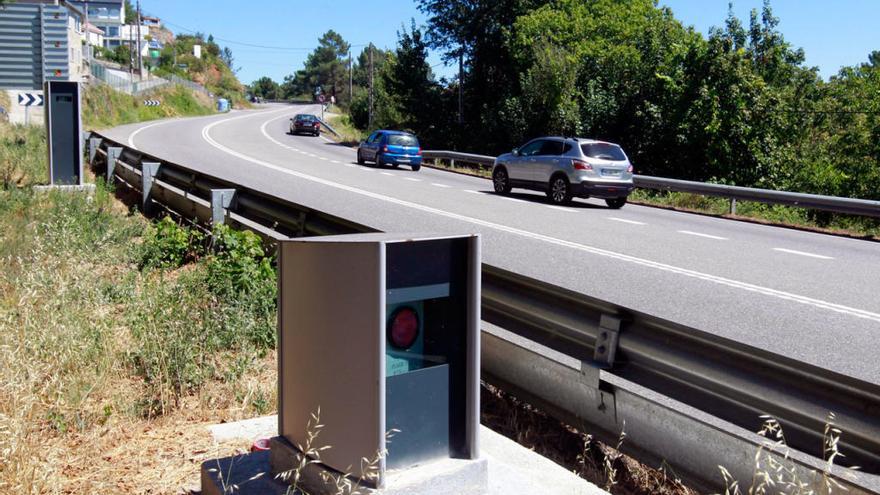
<point x="439" y="185"/>
<point x="471" y="191"/>
<point x="624" y="220"/>
<point x="801" y="253"/>
<point x="706" y="236"/>
<point x="388" y="174"/>
<point x="745" y="286"/>
<point x="413" y="179"/>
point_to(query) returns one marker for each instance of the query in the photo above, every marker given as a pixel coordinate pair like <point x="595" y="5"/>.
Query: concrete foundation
<point x="507" y="466"/>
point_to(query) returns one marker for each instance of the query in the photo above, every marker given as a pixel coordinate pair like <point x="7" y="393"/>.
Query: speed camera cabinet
<point x="64" y="132"/>
<point x="381" y="333"/>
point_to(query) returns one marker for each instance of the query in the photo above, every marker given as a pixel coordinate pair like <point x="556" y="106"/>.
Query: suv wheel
<point x="615" y="203"/>
<point x="559" y="191"/>
<point x="501" y="181"/>
<point x="360" y="158"/>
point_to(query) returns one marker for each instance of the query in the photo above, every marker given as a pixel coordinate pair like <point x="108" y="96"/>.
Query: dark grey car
<point x="565" y="168"/>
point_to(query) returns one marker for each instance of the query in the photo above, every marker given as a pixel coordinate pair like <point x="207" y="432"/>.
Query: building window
<point x="112" y="31"/>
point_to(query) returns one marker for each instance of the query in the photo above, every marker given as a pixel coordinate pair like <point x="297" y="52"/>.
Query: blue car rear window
<point x="402" y="140"/>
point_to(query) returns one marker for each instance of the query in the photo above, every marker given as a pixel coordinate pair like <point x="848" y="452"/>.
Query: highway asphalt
<point x="809" y="296"/>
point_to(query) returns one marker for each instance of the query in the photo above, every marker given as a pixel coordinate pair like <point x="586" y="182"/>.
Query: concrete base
<point x="442" y="477"/>
<point x="511" y="467"/>
<point x="86" y="188"/>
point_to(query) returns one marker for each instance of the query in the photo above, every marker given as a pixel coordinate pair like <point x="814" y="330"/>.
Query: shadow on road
<point x="576" y="203"/>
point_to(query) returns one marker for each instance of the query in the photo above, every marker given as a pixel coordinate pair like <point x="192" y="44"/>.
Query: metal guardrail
<point x="723" y="378"/>
<point x="834" y="204"/>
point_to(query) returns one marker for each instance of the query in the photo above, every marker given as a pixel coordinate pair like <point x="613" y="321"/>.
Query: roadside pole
<point x="371" y="87"/>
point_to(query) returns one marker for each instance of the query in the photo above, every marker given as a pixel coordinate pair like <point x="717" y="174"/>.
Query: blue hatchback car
<point x="394" y="148"/>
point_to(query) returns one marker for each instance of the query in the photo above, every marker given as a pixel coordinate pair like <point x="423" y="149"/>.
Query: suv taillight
<point x="581" y="165"/>
<point x="419" y="152"/>
<point x="385" y="149"/>
<point x="630" y="169"/>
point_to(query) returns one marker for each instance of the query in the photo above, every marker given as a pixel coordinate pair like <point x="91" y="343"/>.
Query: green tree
<point x="265" y="87"/>
<point x="325" y="68"/>
<point x="410" y="80"/>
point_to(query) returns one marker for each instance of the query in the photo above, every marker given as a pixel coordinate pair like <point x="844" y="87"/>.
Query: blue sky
<point x="833" y="34"/>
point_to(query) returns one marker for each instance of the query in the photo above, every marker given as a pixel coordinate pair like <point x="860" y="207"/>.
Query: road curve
<point x="809" y="296"/>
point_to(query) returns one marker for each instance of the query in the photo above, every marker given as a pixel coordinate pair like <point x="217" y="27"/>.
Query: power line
<point x="252" y="45"/>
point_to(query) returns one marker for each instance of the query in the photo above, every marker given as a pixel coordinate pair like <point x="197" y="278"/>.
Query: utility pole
<point x="88" y="36"/>
<point x="371" y="86"/>
<point x="350" y="79"/>
<point x="140" y="58"/>
<point x="461" y="86"/>
<point x="130" y="53"/>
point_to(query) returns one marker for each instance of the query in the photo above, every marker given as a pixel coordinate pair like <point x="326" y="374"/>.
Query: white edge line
<point x="624" y="220"/>
<point x="707" y="236"/>
<point x="801" y="253"/>
<point x="796" y="298"/>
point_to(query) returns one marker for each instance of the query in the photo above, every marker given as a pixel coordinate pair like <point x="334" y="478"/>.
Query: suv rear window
<point x="604" y="151"/>
<point x="305" y="118"/>
<point x="402" y="140"/>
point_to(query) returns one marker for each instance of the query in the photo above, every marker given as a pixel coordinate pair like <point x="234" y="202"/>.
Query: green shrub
<point x="168" y="245"/>
<point x="240" y="271"/>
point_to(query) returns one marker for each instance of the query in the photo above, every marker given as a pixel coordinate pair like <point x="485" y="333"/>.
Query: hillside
<point x="213" y="70"/>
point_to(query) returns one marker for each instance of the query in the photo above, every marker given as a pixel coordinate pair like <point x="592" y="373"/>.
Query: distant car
<point x="305" y="123"/>
<point x="565" y="168"/>
<point x="394" y="148"/>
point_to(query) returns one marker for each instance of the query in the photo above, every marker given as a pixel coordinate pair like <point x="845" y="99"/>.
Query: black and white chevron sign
<point x="30" y="100"/>
<point x="152" y="103"/>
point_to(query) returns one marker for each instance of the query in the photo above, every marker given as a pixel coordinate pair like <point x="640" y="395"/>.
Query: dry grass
<point x="77" y="411"/>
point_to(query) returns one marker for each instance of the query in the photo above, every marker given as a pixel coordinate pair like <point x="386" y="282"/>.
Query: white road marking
<point x="736" y="284"/>
<point x="335" y="161"/>
<point x="439" y="185"/>
<point x="136" y="132"/>
<point x="707" y="236"/>
<point x="801" y="253"/>
<point x="471" y="191"/>
<point x="325" y="159"/>
<point x="350" y="165"/>
<point x="560" y="208"/>
<point x="388" y="174"/>
<point x="413" y="179"/>
<point x="623" y="220"/>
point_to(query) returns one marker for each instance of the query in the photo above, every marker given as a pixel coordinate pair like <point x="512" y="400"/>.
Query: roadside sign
<point x="321" y="98"/>
<point x="30" y="99"/>
<point x="152" y="103"/>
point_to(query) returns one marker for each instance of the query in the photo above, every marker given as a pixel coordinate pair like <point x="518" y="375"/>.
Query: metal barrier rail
<point x="834" y="204"/>
<point x="724" y="378"/>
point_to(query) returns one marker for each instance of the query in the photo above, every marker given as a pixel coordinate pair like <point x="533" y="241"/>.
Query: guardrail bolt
<point x="221" y="199"/>
<point x="733" y="206"/>
<point x="94" y="143"/>
<point x="113" y="154"/>
<point x="149" y="171"/>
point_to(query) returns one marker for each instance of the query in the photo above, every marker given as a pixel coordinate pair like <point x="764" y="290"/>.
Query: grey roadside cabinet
<point x="381" y="332"/>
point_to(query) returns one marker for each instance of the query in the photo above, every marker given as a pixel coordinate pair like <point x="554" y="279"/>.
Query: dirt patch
<point x="601" y="464"/>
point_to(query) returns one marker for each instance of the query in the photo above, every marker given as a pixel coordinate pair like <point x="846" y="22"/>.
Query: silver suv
<point x="567" y="167"/>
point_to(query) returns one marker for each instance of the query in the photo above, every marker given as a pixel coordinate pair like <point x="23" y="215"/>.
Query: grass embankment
<point x="120" y="338"/>
<point x="349" y="135"/>
<point x="103" y="107"/>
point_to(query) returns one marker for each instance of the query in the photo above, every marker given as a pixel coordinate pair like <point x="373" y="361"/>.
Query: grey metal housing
<point x="332" y="351"/>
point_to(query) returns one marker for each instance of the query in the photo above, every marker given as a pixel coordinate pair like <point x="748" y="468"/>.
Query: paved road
<point x="809" y="296"/>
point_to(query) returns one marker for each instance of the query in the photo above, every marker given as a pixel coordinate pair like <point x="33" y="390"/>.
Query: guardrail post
<point x="606" y="342"/>
<point x="452" y="163"/>
<point x="220" y="200"/>
<point x="113" y="154"/>
<point x="733" y="206"/>
<point x="149" y="171"/>
<point x="94" y="143"/>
